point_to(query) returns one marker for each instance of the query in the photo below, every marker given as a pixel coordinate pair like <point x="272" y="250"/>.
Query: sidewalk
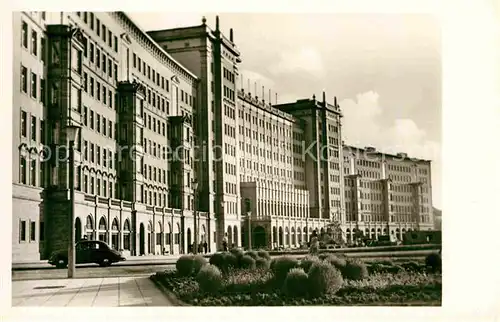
<point x="106" y="292"/>
<point x="131" y="261"/>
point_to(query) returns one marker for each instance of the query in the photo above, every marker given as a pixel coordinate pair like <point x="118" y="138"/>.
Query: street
<point x="90" y="271"/>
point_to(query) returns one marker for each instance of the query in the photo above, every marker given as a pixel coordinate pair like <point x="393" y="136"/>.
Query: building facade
<point x="171" y="150"/>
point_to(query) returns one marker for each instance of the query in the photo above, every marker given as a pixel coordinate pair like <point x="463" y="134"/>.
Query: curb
<point x="170" y="296"/>
<point x="31" y="268"/>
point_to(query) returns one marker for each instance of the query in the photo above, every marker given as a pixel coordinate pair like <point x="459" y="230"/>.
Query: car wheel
<point x="105" y="262"/>
<point x="61" y="263"/>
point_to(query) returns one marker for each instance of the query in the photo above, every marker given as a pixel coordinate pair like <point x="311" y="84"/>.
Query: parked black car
<point x="88" y="251"/>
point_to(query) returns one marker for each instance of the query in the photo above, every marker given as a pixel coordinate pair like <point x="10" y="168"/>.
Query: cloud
<point x="362" y="126"/>
<point x="305" y="59"/>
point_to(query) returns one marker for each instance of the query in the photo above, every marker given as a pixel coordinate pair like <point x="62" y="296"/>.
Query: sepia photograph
<point x="226" y="159"/>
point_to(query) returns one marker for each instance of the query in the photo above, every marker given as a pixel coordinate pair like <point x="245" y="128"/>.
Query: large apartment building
<point x="170" y="147"/>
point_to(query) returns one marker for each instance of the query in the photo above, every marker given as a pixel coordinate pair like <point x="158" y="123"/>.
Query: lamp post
<point x="221" y="217"/>
<point x="249" y="217"/>
<point x="72" y="134"/>
<point x="195" y="188"/>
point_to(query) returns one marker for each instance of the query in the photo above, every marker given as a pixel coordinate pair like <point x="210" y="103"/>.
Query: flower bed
<point x="408" y="284"/>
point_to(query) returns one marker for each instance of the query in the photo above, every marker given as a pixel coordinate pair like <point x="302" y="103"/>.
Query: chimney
<point x="231" y="34"/>
<point x="204" y="20"/>
<point x="324" y="98"/>
<point x="217" y="23"/>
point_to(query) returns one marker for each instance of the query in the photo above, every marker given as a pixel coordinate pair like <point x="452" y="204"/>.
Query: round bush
<point x="411" y="266"/>
<point x="198" y="262"/>
<point x="185" y="265"/>
<point x="433" y="262"/>
<point x="253" y="254"/>
<point x="238" y="252"/>
<point x="262" y="263"/>
<point x="295" y="282"/>
<point x="337" y="262"/>
<point x="264" y="254"/>
<point x="217" y="259"/>
<point x="307" y="262"/>
<point x="355" y="270"/>
<point x="209" y="279"/>
<point x="323" y="279"/>
<point x="231" y="261"/>
<point x="282" y="266"/>
<point x="323" y="256"/>
<point x="247" y="262"/>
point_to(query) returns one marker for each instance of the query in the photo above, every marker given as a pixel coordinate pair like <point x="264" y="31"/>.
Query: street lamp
<point x="72" y="134"/>
<point x="195" y="188"/>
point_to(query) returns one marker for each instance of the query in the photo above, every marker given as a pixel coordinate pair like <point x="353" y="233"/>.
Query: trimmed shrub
<point x="217" y="259"/>
<point x="433" y="262"/>
<point x="238" y="252"/>
<point x="262" y="263"/>
<point x="264" y="254"/>
<point x="209" y="279"/>
<point x="253" y="254"/>
<point x="394" y="269"/>
<point x="355" y="270"/>
<point x="412" y="266"/>
<point x="323" y="256"/>
<point x="231" y="260"/>
<point x="295" y="282"/>
<point x="386" y="262"/>
<point x="247" y="262"/>
<point x="337" y="262"/>
<point x="272" y="263"/>
<point x="224" y="261"/>
<point x="307" y="262"/>
<point x="198" y="262"/>
<point x="281" y="267"/>
<point x="185" y="265"/>
<point x="323" y="279"/>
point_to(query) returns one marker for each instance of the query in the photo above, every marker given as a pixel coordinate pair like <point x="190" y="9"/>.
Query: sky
<point x="384" y="69"/>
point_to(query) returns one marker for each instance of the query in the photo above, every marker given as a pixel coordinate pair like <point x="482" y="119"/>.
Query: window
<point x="98" y="27"/>
<point x="22" y="230"/>
<point x="24" y="79"/>
<point x="22" y="170"/>
<point x="33" y="128"/>
<point x="33" y="85"/>
<point x="91" y="54"/>
<point x="32" y="231"/>
<point x="34" y="43"/>
<point x="42" y="91"/>
<point x="33" y="172"/>
<point x="24" y="120"/>
<point x="42" y="48"/>
<point x="116" y="44"/>
<point x="24" y="35"/>
<point x="98" y="57"/>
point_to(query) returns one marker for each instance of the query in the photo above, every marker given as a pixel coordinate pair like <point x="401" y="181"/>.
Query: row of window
<point x="31" y="237"/>
<point x="278" y="130"/>
<point x="92" y="152"/>
<point x="100" y="29"/>
<point x="230" y="76"/>
<point x="99" y="91"/>
<point x="28" y="176"/>
<point x="33" y="125"/>
<point x="31" y="43"/>
<point x="99" y="123"/>
<point x="33" y="90"/>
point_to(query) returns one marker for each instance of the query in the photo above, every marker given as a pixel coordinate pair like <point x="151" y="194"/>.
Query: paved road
<point x="90" y="272"/>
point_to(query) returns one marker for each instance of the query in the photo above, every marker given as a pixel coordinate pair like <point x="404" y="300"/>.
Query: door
<point x="82" y="252"/>
<point x="141" y="240"/>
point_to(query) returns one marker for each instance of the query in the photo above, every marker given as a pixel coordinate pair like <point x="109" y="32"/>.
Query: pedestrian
<point x="205" y="247"/>
<point x="224" y="243"/>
